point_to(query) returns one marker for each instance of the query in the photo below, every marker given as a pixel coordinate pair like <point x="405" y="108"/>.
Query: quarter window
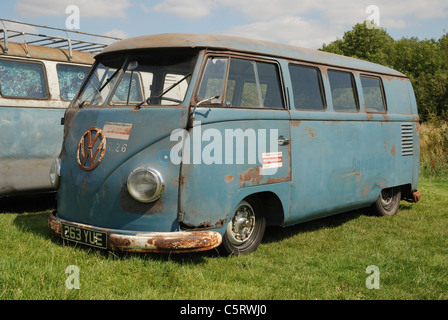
<point x="307" y="87"/>
<point x="70" y="79"/>
<point x="343" y="91"/>
<point x="373" y="94"/>
<point x="129" y="90"/>
<point x="22" y="80"/>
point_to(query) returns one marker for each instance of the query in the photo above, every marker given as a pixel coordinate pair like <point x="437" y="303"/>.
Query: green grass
<point x="322" y="259"/>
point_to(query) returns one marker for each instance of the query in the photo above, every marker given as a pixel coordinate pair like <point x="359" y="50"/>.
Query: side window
<point x="22" y="80"/>
<point x="70" y="79"/>
<point x="248" y="84"/>
<point x="307" y="87"/>
<point x="175" y="86"/>
<point x="343" y="91"/>
<point x="372" y="90"/>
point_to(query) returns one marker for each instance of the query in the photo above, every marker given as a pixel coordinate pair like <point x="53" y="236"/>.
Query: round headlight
<point x="145" y="184"/>
<point x="55" y="173"/>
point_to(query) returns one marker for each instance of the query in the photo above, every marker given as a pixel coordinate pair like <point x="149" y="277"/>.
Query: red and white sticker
<point x="272" y="160"/>
<point x="117" y="130"/>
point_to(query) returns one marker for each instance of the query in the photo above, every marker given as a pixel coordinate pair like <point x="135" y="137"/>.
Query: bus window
<point x="213" y="79"/>
<point x="22" y="79"/>
<point x="129" y="90"/>
<point x="256" y="84"/>
<point x="373" y="94"/>
<point x="250" y="84"/>
<point x="70" y="79"/>
<point x="306" y="87"/>
<point x="343" y="91"/>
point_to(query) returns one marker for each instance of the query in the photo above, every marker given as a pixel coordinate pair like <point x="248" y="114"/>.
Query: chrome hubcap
<point x="242" y="224"/>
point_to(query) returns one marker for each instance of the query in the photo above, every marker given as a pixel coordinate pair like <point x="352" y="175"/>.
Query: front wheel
<point x="245" y="229"/>
<point x="388" y="202"/>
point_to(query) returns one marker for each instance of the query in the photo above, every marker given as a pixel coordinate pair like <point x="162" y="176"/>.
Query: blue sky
<point x="306" y="23"/>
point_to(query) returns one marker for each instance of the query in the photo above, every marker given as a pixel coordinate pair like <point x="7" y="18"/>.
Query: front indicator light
<point x="145" y="184"/>
<point x="55" y="173"/>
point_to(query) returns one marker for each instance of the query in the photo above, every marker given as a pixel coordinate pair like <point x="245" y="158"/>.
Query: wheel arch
<point x="271" y="205"/>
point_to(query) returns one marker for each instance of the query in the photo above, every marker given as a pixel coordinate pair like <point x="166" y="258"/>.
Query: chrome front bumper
<point x="179" y="241"/>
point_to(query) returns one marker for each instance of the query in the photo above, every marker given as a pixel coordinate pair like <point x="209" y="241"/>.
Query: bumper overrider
<point x="111" y="239"/>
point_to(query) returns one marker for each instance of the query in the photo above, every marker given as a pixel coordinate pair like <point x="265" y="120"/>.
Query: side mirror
<point x="197" y="105"/>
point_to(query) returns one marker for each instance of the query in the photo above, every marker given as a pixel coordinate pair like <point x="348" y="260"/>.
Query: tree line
<point x="425" y="62"/>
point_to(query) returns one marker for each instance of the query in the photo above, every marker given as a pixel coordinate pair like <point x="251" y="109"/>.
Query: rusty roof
<point x="223" y="42"/>
<point x="45" y="53"/>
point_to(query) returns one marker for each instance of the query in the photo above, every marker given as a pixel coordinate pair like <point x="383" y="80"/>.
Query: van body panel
<point x="94" y="197"/>
<point x="31" y="138"/>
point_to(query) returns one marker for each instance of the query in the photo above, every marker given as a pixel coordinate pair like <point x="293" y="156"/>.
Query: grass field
<point x="322" y="259"/>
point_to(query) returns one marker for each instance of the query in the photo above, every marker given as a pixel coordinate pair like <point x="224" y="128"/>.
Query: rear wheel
<point x="388" y="202"/>
<point x="245" y="229"/>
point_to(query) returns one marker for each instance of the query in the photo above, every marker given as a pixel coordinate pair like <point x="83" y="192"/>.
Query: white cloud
<point x="309" y="23"/>
<point x="192" y="9"/>
<point x="338" y="11"/>
<point x="114" y="33"/>
<point x="291" y="30"/>
<point x="88" y="8"/>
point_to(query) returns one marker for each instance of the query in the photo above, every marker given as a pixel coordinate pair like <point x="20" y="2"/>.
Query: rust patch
<point x="198" y="241"/>
<point x="280" y="179"/>
<point x="324" y="71"/>
<point x="417" y="128"/>
<point x="369" y="116"/>
<point x="311" y="132"/>
<point x="393" y="151"/>
<point x="252" y="175"/>
<point x="221" y="222"/>
<point x="295" y="123"/>
<point x="363" y="106"/>
<point x="385" y="116"/>
<point x="228" y="178"/>
<point x="119" y="242"/>
<point x="277" y="180"/>
<point x="385" y="144"/>
<point x="365" y="190"/>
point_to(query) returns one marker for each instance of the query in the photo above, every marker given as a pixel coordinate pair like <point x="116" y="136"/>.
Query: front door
<point x="233" y="145"/>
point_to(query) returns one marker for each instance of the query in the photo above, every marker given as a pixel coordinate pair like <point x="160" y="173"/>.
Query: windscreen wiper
<point x="164" y="92"/>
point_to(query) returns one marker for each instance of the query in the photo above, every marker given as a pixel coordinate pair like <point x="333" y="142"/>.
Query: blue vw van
<point x="189" y="142"/>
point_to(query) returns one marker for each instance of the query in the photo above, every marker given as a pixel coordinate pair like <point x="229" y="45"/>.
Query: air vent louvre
<point x="407" y="140"/>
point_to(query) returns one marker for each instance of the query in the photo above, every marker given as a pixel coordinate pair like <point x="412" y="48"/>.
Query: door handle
<point x="282" y="141"/>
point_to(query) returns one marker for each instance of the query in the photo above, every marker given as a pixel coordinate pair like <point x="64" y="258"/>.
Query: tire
<point x="388" y="202"/>
<point x="245" y="229"/>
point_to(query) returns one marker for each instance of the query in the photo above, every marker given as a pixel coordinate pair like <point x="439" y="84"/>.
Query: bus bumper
<point x="111" y="239"/>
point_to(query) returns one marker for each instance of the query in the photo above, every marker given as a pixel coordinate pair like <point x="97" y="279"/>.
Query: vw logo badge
<point x="91" y="149"/>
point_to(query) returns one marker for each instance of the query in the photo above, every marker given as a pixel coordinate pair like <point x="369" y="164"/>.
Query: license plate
<point x="85" y="236"/>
